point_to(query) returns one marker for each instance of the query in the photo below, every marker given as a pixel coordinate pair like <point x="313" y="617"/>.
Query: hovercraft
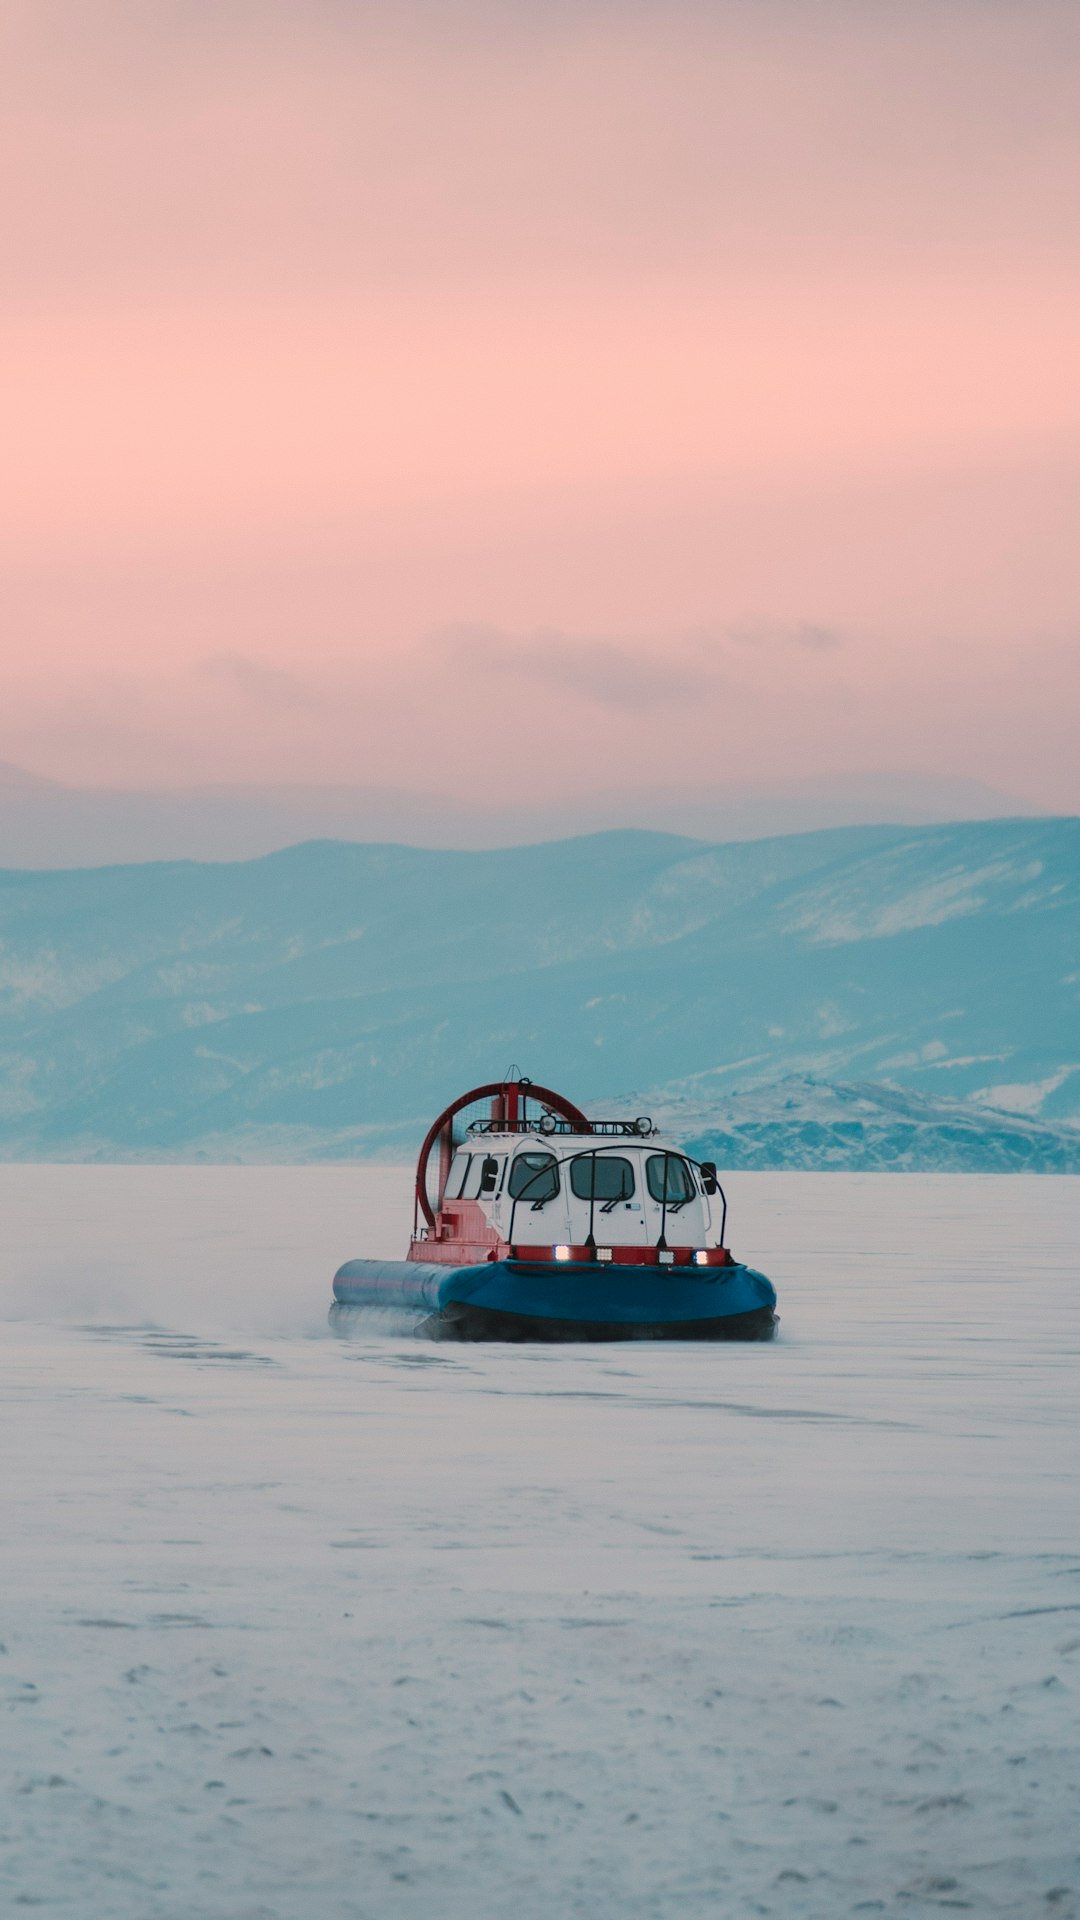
<point x="532" y="1222"/>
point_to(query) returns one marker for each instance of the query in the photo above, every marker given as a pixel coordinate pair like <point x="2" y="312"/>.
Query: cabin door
<point x="605" y="1189"/>
<point x="672" y="1207"/>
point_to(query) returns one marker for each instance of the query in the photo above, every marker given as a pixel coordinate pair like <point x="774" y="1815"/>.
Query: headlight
<point x="562" y="1253"/>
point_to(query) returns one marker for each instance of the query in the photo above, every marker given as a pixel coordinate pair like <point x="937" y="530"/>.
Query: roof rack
<point x="550" y="1123"/>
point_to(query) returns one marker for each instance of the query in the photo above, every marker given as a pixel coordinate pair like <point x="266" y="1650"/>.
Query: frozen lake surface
<point x="303" y="1626"/>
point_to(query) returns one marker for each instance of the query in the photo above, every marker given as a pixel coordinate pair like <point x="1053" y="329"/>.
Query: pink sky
<point x="652" y="391"/>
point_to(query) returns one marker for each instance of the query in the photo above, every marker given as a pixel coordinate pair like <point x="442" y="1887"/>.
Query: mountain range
<point x="325" y="1000"/>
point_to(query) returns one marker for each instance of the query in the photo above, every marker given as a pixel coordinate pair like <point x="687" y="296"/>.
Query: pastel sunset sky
<point x="415" y="393"/>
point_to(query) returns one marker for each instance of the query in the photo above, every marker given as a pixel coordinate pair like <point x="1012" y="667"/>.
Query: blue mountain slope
<point x="800" y="1122"/>
<point x="331" y="996"/>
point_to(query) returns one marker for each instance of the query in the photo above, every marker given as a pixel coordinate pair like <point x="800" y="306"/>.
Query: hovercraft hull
<point x="520" y="1300"/>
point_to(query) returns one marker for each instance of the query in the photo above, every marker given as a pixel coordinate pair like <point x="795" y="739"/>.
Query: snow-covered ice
<point x="303" y="1626"/>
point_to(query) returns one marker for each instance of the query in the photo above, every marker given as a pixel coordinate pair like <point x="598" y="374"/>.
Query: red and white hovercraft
<point x="532" y="1222"/>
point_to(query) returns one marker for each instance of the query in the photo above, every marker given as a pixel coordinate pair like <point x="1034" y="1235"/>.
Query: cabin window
<point x="470" y="1186"/>
<point x="459" y="1173"/>
<point x="534" y="1177"/>
<point x="601" y="1176"/>
<point x="670" y="1180"/>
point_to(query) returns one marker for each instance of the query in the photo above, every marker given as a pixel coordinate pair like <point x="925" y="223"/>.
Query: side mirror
<point x="489" y="1174"/>
<point x="708" y="1176"/>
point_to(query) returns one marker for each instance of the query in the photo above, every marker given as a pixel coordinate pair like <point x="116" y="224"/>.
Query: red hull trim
<point x="468" y="1253"/>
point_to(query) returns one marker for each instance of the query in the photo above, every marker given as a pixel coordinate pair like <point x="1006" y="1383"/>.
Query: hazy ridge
<point x="45" y="823"/>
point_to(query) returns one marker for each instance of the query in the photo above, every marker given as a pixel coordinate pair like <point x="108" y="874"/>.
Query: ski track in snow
<point x="302" y="1625"/>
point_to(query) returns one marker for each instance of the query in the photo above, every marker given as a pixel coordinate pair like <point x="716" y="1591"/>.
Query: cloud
<point x="806" y="636"/>
<point x="262" y="686"/>
<point x="609" y="673"/>
<point x="816" y="639"/>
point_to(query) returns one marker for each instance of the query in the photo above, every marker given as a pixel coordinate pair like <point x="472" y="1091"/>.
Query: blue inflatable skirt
<point x="568" y="1300"/>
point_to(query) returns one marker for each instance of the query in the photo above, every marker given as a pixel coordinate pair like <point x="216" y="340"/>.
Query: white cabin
<point x="567" y="1189"/>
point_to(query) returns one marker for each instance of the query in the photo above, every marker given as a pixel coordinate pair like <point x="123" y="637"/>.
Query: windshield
<point x="602" y="1176"/>
<point x="670" y="1179"/>
<point x="535" y="1177"/>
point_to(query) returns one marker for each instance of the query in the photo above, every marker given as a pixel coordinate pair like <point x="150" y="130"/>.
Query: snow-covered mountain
<point x="814" y="1124"/>
<point x="327" y="999"/>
